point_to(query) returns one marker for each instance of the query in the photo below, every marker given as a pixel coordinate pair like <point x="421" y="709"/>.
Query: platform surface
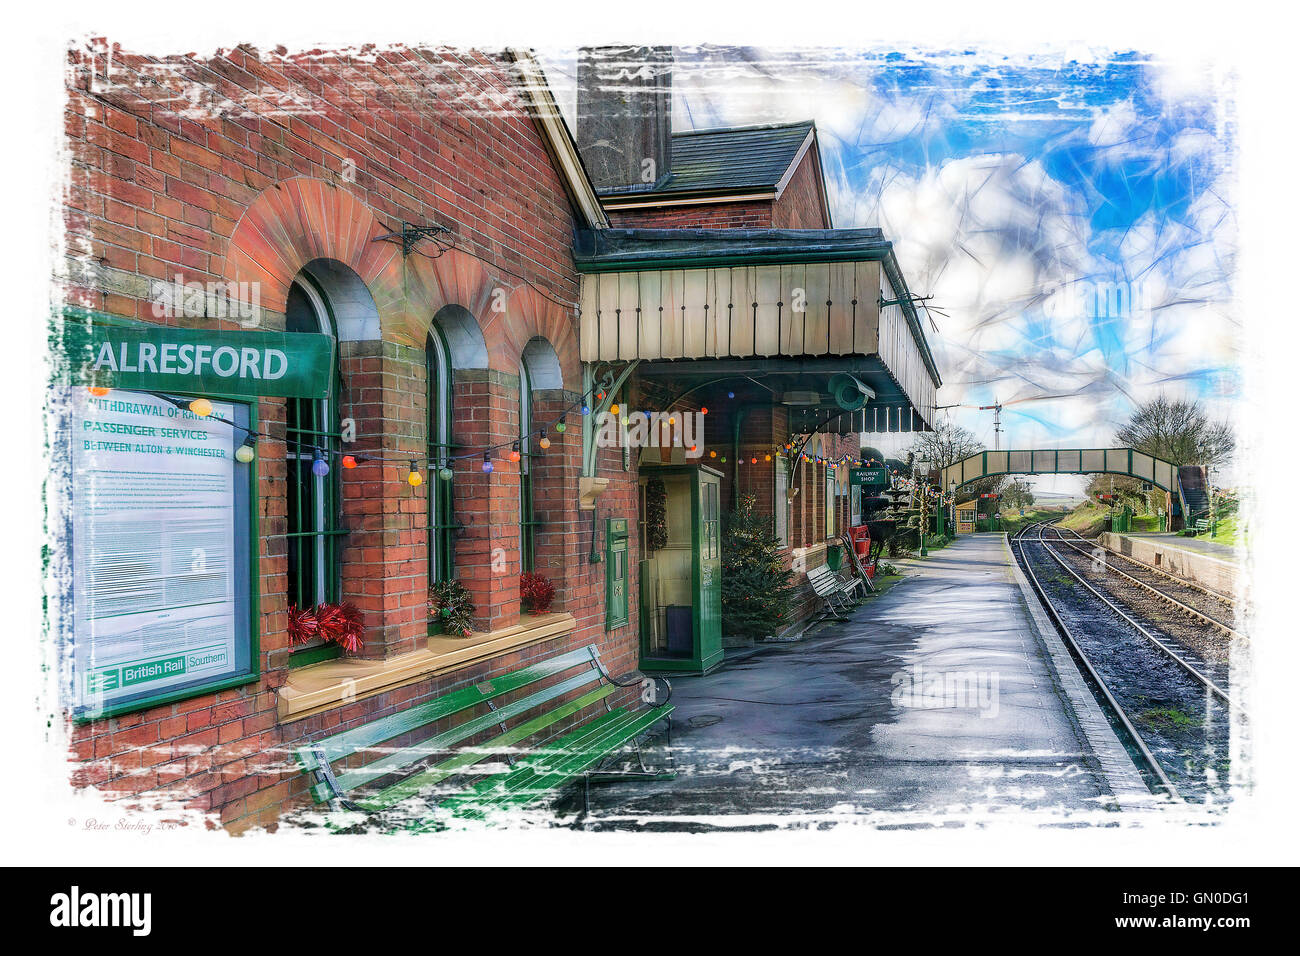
<point x="936" y="703"/>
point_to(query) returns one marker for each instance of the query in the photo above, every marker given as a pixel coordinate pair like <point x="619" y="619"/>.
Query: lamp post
<point x="952" y="503"/>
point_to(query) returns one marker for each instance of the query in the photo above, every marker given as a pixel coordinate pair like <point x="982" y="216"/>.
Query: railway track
<point x="1167" y="696"/>
<point x="1202" y="604"/>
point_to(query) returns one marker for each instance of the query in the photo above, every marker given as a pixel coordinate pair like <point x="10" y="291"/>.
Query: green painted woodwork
<point x="616" y="602"/>
<point x="1062" y="461"/>
<point x="706" y="571"/>
<point x="550" y="767"/>
<point x="202" y="361"/>
<point x="253" y="674"/>
<point x="870" y="477"/>
<point x="545" y="767"/>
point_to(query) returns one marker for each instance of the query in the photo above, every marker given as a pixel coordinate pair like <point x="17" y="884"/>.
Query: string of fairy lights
<point x="321" y="454"/>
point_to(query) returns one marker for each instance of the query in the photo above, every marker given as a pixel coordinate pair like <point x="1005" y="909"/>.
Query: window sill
<point x="321" y="687"/>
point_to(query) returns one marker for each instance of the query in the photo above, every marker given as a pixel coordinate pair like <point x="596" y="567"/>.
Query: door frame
<point x="707" y="653"/>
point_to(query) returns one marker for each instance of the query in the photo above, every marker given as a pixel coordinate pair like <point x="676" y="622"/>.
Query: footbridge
<point x="1064" y="461"/>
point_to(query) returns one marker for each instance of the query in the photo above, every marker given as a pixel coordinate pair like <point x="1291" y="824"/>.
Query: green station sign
<point x="870" y="477"/>
<point x="154" y="358"/>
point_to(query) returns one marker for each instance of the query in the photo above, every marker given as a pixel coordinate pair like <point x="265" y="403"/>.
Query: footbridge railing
<point x="1064" y="461"/>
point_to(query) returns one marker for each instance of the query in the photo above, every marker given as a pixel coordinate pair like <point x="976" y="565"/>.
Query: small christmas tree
<point x="757" y="590"/>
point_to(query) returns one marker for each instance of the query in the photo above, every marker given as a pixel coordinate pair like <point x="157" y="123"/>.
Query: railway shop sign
<point x="870" y="477"/>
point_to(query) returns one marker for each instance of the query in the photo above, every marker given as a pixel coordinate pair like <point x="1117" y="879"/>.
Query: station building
<point x="340" y="327"/>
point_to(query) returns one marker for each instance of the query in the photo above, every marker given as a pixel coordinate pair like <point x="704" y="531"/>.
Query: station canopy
<point x="821" y="318"/>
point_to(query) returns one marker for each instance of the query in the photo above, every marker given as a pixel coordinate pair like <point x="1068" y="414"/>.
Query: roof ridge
<point x="743" y="129"/>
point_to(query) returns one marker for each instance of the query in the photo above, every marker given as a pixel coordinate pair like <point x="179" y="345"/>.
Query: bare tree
<point x="1179" y="431"/>
<point x="948" y="444"/>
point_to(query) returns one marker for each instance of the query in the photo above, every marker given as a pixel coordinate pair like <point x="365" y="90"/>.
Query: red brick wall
<point x="240" y="165"/>
<point x="756" y="214"/>
<point x="802" y="205"/>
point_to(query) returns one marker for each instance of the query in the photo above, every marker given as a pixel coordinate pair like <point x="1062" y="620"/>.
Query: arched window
<point x="539" y="372"/>
<point x="442" y="521"/>
<point x="311" y="436"/>
<point x="527" y="549"/>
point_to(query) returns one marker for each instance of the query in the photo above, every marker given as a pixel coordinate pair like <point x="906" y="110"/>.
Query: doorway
<point x="680" y="569"/>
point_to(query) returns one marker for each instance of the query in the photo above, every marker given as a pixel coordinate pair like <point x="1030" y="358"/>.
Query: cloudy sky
<point x="1072" y="220"/>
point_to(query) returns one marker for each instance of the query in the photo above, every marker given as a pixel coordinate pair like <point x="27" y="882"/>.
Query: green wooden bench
<point x="444" y="777"/>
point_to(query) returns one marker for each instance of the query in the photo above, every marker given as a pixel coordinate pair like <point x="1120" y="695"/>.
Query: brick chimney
<point x="625" y="115"/>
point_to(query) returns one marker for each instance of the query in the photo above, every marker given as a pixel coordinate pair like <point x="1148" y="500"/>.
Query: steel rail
<point x="1170" y="652"/>
<point x="1140" y="745"/>
<point x="1187" y="608"/>
<point x="1210" y="592"/>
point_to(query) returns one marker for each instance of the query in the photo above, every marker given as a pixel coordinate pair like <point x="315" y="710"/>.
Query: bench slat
<point x="550" y="776"/>
<point x="349" y="780"/>
<point x="412" y="785"/>
<point x="556" y="764"/>
<point x="386" y="728"/>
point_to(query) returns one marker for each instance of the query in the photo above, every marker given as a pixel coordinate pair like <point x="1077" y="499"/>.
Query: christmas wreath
<point x="656" y="515"/>
<point x="450" y="604"/>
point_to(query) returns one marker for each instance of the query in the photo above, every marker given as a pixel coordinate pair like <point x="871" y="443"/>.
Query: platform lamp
<point x="952" y="502"/>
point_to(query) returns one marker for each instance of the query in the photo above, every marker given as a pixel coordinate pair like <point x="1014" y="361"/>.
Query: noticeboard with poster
<point x="162" y="581"/>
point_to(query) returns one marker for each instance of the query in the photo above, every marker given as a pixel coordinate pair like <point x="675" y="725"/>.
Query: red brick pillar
<point x="555" y="474"/>
<point x="485" y="405"/>
<point x="384" y="556"/>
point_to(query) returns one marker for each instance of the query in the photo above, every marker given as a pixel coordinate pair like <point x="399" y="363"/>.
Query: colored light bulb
<point x="614" y="409"/>
<point x="704" y="410"/>
<point x="713" y="454"/>
<point x="320" y="467"/>
<point x="731" y="395"/>
<point x="560" y="427"/>
<point x="201" y="407"/>
<point x="244" y="454"/>
<point x="767" y="457"/>
<point x="349" y="461"/>
<point x="586" y="410"/>
<point x="544" y="442"/>
<point x="487" y="464"/>
<point x="99" y="391"/>
<point x="445" y="473"/>
<point x="753" y="461"/>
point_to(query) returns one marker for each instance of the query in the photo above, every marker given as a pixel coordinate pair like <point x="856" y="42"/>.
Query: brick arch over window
<point x="300" y="220"/>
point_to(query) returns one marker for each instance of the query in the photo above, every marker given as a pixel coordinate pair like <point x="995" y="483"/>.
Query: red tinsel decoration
<point x="343" y="624"/>
<point x="354" y="626"/>
<point x="537" y="591"/>
<point x="303" y="626"/>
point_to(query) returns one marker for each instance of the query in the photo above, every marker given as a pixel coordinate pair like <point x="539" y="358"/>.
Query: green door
<point x="708" y="554"/>
<point x="681" y="579"/>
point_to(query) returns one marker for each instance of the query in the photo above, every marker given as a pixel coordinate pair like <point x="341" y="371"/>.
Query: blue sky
<point x="1073" y="220"/>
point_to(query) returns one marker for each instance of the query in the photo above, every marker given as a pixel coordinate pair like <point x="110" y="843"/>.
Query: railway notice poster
<point x="160" y="548"/>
